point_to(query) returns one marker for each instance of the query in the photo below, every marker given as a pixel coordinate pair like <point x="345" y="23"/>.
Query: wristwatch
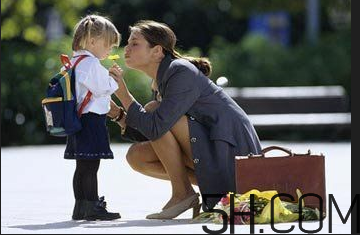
<point x="120" y="116"/>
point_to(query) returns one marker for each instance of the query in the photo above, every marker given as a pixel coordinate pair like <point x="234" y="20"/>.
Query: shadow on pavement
<point x="56" y="225"/>
<point x="103" y="224"/>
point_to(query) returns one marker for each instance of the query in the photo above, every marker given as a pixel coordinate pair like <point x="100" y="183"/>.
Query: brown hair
<point x="156" y="33"/>
<point x="94" y="26"/>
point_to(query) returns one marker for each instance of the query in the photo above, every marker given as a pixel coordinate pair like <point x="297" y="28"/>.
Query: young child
<point x="94" y="36"/>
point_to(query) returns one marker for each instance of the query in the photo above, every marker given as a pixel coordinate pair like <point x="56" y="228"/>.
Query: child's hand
<point x="114" y="110"/>
<point x="116" y="72"/>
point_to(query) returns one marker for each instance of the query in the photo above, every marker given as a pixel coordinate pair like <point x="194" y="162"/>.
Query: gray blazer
<point x="219" y="128"/>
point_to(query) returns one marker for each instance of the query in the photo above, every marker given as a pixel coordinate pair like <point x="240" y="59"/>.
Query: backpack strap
<point x="65" y="60"/>
<point x="78" y="60"/>
<point x="88" y="95"/>
<point x="84" y="103"/>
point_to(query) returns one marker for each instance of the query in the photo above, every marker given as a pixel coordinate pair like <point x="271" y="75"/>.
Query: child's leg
<point x="89" y="184"/>
<point x="77" y="185"/>
<point x="95" y="207"/>
<point x="84" y="185"/>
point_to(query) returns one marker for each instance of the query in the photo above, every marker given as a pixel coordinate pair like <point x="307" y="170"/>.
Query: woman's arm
<point x="181" y="93"/>
<point x="118" y="115"/>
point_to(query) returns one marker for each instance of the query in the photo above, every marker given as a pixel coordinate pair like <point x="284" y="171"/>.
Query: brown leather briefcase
<point x="284" y="174"/>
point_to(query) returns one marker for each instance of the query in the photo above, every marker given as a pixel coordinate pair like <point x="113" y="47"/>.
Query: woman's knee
<point x="132" y="156"/>
<point x="151" y="106"/>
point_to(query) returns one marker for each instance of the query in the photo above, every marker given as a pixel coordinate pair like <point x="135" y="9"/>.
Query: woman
<point x="192" y="131"/>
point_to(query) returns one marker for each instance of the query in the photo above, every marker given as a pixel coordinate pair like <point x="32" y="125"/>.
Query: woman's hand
<point x="122" y="93"/>
<point x="117" y="73"/>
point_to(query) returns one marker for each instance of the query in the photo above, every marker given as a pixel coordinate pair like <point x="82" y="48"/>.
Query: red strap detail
<point x="84" y="103"/>
<point x="89" y="94"/>
<point x="65" y="61"/>
<point x="78" y="60"/>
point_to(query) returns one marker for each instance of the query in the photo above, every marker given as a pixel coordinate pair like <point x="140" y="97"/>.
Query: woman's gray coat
<point x="219" y="129"/>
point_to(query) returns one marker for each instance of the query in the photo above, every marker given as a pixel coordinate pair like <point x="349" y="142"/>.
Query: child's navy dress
<point x="92" y="141"/>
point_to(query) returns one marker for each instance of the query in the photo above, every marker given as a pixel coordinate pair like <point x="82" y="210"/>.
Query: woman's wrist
<point x="122" y="124"/>
<point x="121" y="121"/>
<point x="119" y="116"/>
<point x="125" y="98"/>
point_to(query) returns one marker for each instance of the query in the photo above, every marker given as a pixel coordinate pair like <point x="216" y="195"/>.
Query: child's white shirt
<point x="91" y="75"/>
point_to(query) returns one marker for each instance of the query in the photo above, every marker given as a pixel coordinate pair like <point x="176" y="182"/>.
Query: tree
<point x="26" y="19"/>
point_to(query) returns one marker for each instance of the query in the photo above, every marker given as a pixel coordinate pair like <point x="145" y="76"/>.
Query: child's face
<point x="99" y="48"/>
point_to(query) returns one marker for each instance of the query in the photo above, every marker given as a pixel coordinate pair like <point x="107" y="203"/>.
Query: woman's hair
<point x="156" y="33"/>
<point x="94" y="26"/>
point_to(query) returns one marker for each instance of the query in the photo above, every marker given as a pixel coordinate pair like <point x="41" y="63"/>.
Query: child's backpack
<point x="59" y="106"/>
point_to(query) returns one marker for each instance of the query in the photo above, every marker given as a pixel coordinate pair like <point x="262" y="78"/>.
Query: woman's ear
<point x="158" y="53"/>
<point x="158" y="50"/>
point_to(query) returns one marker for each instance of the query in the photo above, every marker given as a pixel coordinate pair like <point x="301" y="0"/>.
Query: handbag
<point x="285" y="174"/>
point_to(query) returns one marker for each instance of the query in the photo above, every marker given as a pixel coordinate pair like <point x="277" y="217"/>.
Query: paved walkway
<point x="37" y="197"/>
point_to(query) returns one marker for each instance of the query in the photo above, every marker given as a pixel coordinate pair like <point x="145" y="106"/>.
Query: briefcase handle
<point x="270" y="148"/>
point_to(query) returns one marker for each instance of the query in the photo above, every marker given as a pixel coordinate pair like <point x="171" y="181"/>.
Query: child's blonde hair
<point x="93" y="26"/>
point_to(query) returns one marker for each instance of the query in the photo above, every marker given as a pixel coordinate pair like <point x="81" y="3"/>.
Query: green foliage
<point x="256" y="62"/>
<point x="20" y="18"/>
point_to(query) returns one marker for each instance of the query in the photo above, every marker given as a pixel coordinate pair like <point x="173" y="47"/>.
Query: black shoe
<point x="96" y="210"/>
<point x="79" y="210"/>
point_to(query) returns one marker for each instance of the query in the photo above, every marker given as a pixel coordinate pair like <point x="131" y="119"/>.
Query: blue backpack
<point x="59" y="106"/>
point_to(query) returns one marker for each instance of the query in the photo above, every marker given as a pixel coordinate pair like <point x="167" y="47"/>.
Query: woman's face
<point x="138" y="53"/>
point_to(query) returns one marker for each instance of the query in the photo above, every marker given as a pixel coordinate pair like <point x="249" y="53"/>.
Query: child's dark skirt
<point x="92" y="141"/>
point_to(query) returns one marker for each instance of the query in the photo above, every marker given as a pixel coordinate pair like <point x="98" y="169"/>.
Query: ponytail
<point x="88" y="25"/>
<point x="202" y="63"/>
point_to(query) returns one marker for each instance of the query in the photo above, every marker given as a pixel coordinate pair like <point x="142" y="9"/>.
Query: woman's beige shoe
<point x="176" y="210"/>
